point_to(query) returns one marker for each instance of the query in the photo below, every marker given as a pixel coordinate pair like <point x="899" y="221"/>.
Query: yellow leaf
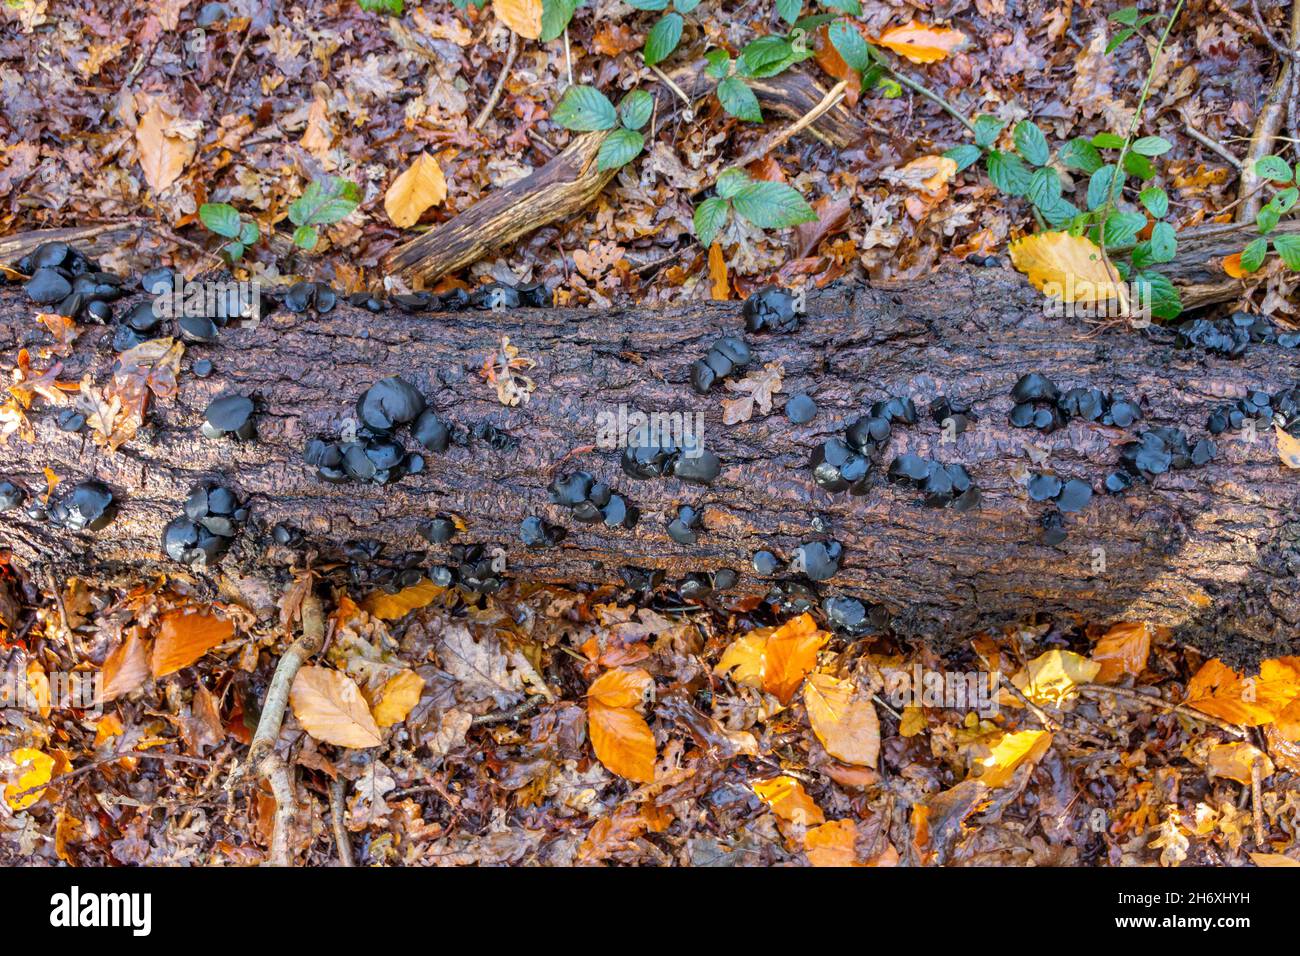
<point x="1067" y="267"/>
<point x="843" y="719"/>
<point x="1288" y="448"/>
<point x="622" y="740"/>
<point x="422" y="185"/>
<point x="522" y="16"/>
<point x="913" y="721"/>
<point x="184" y="637"/>
<point x="1235" y="761"/>
<point x="319" y="134"/>
<point x="923" y="44"/>
<point x="745" y="659"/>
<point x="1221" y="692"/>
<point x="789" y="801"/>
<point x="790" y="654"/>
<point x="928" y="173"/>
<point x="832" y="844"/>
<point x="109" y="726"/>
<point x="1122" y="650"/>
<point x="1010" y="752"/>
<point x="399" y="695"/>
<point x="620" y="687"/>
<point x="1272" y="859"/>
<point x="1232" y="266"/>
<point x="330" y="707"/>
<point x="718" y="273"/>
<point x="390" y="607"/>
<point x="34" y="770"/>
<point x="162" y="150"/>
<point x="1054" y="677"/>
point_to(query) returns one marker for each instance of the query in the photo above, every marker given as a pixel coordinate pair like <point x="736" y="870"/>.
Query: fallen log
<point x="1213" y="550"/>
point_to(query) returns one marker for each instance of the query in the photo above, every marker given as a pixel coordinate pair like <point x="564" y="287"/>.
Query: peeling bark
<point x="1213" y="551"/>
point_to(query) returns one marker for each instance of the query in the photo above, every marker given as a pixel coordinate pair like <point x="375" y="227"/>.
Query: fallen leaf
<point x="1122" y="650"/>
<point x="164" y="151"/>
<point x="330" y="707"/>
<point x="757" y="388"/>
<point x="319" y="134"/>
<point x="1232" y="266"/>
<point x="745" y="659"/>
<point x="126" y="668"/>
<point x="1010" y="753"/>
<point x="391" y="607"/>
<point x="620" y="687"/>
<point x="832" y="844"/>
<point x="184" y="637"/>
<point x="786" y="797"/>
<point x="790" y="653"/>
<point x="522" y="16"/>
<point x="1054" y="677"/>
<point x="33" y="769"/>
<point x="397" y="697"/>
<point x="927" y="173"/>
<point x="923" y="44"/>
<point x="1272" y="859"/>
<point x="1288" y="447"/>
<point x="1067" y="267"/>
<point x="717" y="274"/>
<point x="1235" y="760"/>
<point x="1219" y="691"/>
<point x="843" y="718"/>
<point x="622" y="740"/>
<point x="419" y="187"/>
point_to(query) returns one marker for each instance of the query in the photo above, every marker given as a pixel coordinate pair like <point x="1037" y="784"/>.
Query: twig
<point x="1257" y="800"/>
<point x="495" y="96"/>
<point x="689" y="113"/>
<point x="777" y="139"/>
<point x="239" y="55"/>
<point x="339" y="822"/>
<point x="1280" y="102"/>
<point x="1102" y="690"/>
<point x="1044" y="718"/>
<point x="918" y="87"/>
<point x="279" y="775"/>
<point x="145" y="58"/>
<point x="1213" y="146"/>
<point x="517" y="712"/>
<point x="103" y="761"/>
<point x="277" y="695"/>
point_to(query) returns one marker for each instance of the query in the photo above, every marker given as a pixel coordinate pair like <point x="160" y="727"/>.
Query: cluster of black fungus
<point x="497" y="439"/>
<point x="591" y="501"/>
<point x="699" y="585"/>
<point x="11" y="496"/>
<point x="725" y="356"/>
<point x="213" y="516"/>
<point x="645" y="581"/>
<point x="1260" y="407"/>
<point x="947" y="409"/>
<point x="841" y="464"/>
<point x="1232" y="335"/>
<point x="944" y="486"/>
<point x="792" y="597"/>
<point x="645" y="462"/>
<point x="86" y="506"/>
<point x="852" y="616"/>
<point x="1040" y="404"/>
<point x="230" y="416"/>
<point x="472" y="567"/>
<point x="71" y="420"/>
<point x="770" y="310"/>
<point x="302" y="296"/>
<point x="1071" y="495"/>
<point x="819" y="560"/>
<point x="1155" y="451"/>
<point x="494" y="295"/>
<point x="376" y="455"/>
<point x="438" y="530"/>
<point x="74" y="285"/>
<point x="536" y="532"/>
<point x="287" y="535"/>
<point x="683" y="527"/>
<point x="765" y="563"/>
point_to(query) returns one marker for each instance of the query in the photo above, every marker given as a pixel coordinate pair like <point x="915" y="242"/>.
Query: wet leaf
<point x="397" y="697"/>
<point x="622" y="740"/>
<point x="621" y="687"/>
<point x="788" y="800"/>
<point x="923" y="44"/>
<point x="1236" y="760"/>
<point x="33" y="768"/>
<point x="165" y="147"/>
<point x="1011" y="752"/>
<point x="184" y="637"/>
<point x="1054" y="677"/>
<point x="789" y="654"/>
<point x="832" y="844"/>
<point x="1122" y="650"/>
<point x="391" y="607"/>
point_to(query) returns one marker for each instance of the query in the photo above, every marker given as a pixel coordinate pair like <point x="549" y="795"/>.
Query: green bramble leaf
<point x="306" y="237"/>
<point x="730" y="182"/>
<point x="1288" y="247"/>
<point x="1151" y="146"/>
<point x="710" y="217"/>
<point x="1267" y="219"/>
<point x="789" y="10"/>
<point x="221" y="218"/>
<point x="1139" y="166"/>
<point x="1155" y="200"/>
<point x="849" y="44"/>
<point x="1044" y="188"/>
<point x="621" y="146"/>
<point x="1080" y="154"/>
<point x="1108" y="141"/>
<point x="556" y="15"/>
<point x="1164" y="243"/>
<point x="636" y="108"/>
<point x="965" y="155"/>
<point x="1122" y="228"/>
<point x="392" y="7"/>
<point x="1031" y="144"/>
<point x="585" y="109"/>
<point x="1252" y="257"/>
<point x="739" y="100"/>
<point x="770" y="205"/>
<point x="1099" y="186"/>
<point x="718" y="63"/>
<point x="663" y="38"/>
<point x="1273" y="167"/>
<point x="324" y="202"/>
<point x="1165" y="302"/>
<point x="987" y="129"/>
<point x="1008" y="172"/>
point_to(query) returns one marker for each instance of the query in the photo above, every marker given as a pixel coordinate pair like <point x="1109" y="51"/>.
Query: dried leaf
<point x="127" y="667"/>
<point x="398" y="697"/>
<point x="622" y="740"/>
<point x="184" y="637"/>
<point x="165" y="147"/>
<point x="926" y="173"/>
<point x="923" y="44"/>
<point x="319" y="134"/>
<point x="330" y="707"/>
<point x="717" y="274"/>
<point x="391" y="607"/>
<point x="419" y="187"/>
<point x="758" y="387"/>
<point x="1122" y="650"/>
<point x="843" y="718"/>
<point x="1010" y="753"/>
<point x="832" y="844"/>
<point x="1235" y="760"/>
<point x="482" y="670"/>
<point x="790" y="654"/>
<point x="621" y="687"/>
<point x="1054" y="677"/>
<point x="522" y="16"/>
<point x="33" y="768"/>
<point x="788" y="800"/>
<point x="1221" y="692"/>
<point x="745" y="658"/>
<point x="1067" y="267"/>
<point x="1272" y="859"/>
<point x="1288" y="447"/>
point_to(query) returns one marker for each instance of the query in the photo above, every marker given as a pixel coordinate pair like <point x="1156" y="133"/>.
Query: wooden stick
<point x="500" y="85"/>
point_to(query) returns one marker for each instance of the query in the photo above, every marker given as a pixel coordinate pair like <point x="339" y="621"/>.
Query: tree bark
<point x="1213" y="550"/>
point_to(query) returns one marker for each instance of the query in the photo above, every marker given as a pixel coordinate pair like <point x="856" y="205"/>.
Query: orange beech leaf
<point x="790" y="654"/>
<point x="843" y="718"/>
<point x="1288" y="448"/>
<point x="718" y="273"/>
<point x="621" y="687"/>
<point x="522" y="16"/>
<point x="923" y="44"/>
<point x="420" y="186"/>
<point x="184" y="637"/>
<point x="126" y="668"/>
<point x="398" y="697"/>
<point x="330" y="707"/>
<point x="1232" y="266"/>
<point x="1236" y="760"/>
<point x="788" y="800"/>
<point x="1122" y="650"/>
<point x="832" y="844"/>
<point x="390" y="607"/>
<point x="1221" y="692"/>
<point x="622" y="740"/>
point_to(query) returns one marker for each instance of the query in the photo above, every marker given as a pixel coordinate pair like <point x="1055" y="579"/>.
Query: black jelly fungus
<point x="765" y="563"/>
<point x="801" y="409"/>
